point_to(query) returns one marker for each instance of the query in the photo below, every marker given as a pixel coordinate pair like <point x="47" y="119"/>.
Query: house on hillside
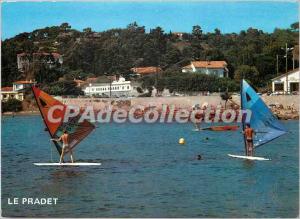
<point x="179" y="35"/>
<point x="24" y="59"/>
<point x="143" y="71"/>
<point x="21" y="85"/>
<point x="291" y="78"/>
<point x="17" y="91"/>
<point x="218" y="68"/>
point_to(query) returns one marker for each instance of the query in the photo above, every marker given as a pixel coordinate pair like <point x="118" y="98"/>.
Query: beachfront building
<point x="17" y="91"/>
<point x="218" y="68"/>
<point x="117" y="88"/>
<point x="8" y="93"/>
<point x="286" y="83"/>
<point x="143" y="71"/>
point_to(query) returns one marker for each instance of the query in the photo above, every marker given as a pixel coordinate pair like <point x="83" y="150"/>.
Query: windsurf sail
<point x="77" y="130"/>
<point x="266" y="126"/>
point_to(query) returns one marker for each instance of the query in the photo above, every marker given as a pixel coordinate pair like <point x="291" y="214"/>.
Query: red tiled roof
<point x="21" y="54"/>
<point x="55" y="54"/>
<point x="207" y="64"/>
<point x="23" y="82"/>
<point x="79" y="81"/>
<point x="146" y="70"/>
<point x="91" y="80"/>
<point x="7" y="89"/>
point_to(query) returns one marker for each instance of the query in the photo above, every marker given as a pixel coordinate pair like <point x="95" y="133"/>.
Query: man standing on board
<point x="249" y="134"/>
<point x="65" y="139"/>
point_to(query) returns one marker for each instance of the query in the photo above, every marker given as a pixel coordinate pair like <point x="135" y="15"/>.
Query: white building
<point x="19" y="85"/>
<point x="218" y="68"/>
<point x="17" y="91"/>
<point x="117" y="88"/>
<point x="279" y="84"/>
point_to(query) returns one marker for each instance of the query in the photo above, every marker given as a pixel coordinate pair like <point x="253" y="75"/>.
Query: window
<point x="279" y="87"/>
<point x="294" y="86"/>
<point x="128" y="87"/>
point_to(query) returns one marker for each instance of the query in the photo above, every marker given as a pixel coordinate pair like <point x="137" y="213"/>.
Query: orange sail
<point x="77" y="130"/>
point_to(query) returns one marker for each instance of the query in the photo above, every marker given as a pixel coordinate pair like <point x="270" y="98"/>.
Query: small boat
<point x="222" y="128"/>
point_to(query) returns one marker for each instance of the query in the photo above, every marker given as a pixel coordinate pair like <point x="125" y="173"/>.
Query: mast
<point x="243" y="120"/>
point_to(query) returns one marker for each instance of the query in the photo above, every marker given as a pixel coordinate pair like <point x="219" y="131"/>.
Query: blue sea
<point x="146" y="173"/>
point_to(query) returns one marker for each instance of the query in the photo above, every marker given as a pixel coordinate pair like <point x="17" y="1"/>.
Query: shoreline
<point x="293" y="116"/>
<point x="283" y="107"/>
<point x="21" y="113"/>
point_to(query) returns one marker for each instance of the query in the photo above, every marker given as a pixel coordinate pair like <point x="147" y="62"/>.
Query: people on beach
<point x="249" y="134"/>
<point x="65" y="139"/>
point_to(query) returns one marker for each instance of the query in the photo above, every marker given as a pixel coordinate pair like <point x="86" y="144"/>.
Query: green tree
<point x="246" y="72"/>
<point x="295" y="26"/>
<point x="63" y="87"/>
<point x="65" y="26"/>
<point x="12" y="105"/>
<point x="197" y="32"/>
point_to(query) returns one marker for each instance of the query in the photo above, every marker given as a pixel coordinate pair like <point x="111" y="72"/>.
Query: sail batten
<point x="77" y="130"/>
<point x="265" y="124"/>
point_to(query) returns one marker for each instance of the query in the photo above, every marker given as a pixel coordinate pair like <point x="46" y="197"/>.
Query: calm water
<point x="145" y="173"/>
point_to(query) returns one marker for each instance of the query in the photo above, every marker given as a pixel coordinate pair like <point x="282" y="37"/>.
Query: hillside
<point x="86" y="53"/>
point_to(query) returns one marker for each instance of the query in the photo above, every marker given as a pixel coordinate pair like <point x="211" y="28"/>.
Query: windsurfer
<point x="65" y="139"/>
<point x="249" y="133"/>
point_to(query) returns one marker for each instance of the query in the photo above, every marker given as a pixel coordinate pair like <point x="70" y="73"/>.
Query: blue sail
<point x="265" y="124"/>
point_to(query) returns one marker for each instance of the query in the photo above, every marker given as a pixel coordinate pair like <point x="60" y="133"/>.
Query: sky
<point x="177" y="16"/>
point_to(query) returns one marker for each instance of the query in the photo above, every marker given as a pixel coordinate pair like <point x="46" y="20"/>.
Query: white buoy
<point x="181" y="141"/>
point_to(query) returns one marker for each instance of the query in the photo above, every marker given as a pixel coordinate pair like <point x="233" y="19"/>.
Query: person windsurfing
<point x="249" y="134"/>
<point x="65" y="139"/>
